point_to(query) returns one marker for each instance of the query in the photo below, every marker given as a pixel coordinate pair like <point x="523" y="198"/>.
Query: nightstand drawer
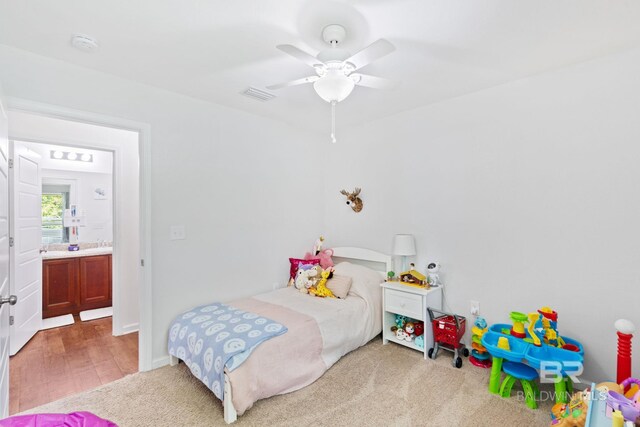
<point x="403" y="303"/>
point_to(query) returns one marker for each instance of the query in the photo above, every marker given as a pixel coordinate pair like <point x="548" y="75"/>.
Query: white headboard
<point x="374" y="260"/>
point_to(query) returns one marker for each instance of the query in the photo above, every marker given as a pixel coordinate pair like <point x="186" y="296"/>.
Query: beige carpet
<point x="375" y="385"/>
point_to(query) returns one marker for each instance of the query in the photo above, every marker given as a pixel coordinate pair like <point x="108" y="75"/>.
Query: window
<point x="55" y="199"/>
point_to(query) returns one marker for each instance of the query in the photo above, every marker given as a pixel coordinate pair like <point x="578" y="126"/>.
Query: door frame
<point x="145" y="358"/>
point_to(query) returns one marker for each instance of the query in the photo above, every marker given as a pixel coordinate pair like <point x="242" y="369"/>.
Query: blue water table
<point x="538" y="345"/>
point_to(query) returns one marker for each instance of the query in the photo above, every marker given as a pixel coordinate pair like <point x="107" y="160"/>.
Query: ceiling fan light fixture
<point x="334" y="87"/>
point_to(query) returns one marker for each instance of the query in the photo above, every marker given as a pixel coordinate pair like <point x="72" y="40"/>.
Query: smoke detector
<point x="84" y="43"/>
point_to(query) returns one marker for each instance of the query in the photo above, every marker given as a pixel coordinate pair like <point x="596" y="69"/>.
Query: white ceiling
<point x="213" y="50"/>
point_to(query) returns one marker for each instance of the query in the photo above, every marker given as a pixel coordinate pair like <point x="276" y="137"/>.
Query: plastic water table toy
<point x="531" y="350"/>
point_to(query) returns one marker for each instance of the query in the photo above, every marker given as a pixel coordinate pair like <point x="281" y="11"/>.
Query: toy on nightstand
<point x="418" y="328"/>
<point x="413" y="277"/>
<point x="391" y="275"/>
<point x="401" y="334"/>
<point x="479" y="355"/>
<point x="409" y="329"/>
<point x="419" y="341"/>
<point x="403" y="328"/>
<point x="400" y="321"/>
<point x="433" y="278"/>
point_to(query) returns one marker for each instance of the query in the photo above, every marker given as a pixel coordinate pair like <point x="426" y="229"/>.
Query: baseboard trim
<point x="127" y="329"/>
<point x="160" y="362"/>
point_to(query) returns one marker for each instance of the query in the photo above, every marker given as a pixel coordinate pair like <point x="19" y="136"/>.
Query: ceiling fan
<point x="335" y="76"/>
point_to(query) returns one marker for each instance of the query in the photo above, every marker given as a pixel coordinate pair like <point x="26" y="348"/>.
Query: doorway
<point x="87" y="354"/>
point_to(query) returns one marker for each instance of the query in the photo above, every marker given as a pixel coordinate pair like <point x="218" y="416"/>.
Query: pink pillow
<point x="296" y="263"/>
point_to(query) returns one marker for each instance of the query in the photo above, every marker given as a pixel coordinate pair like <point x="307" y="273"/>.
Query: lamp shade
<point x="404" y="245"/>
<point x="334" y="86"/>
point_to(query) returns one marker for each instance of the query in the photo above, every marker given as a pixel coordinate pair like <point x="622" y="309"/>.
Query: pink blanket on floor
<point x="74" y="419"/>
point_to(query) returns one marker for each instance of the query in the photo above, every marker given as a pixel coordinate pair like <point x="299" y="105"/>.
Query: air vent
<point x="258" y="94"/>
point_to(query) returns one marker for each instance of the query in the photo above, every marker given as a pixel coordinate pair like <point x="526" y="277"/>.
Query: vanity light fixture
<point x="71" y="155"/>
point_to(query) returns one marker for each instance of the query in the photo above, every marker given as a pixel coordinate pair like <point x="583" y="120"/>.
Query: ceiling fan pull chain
<point x="333" y="122"/>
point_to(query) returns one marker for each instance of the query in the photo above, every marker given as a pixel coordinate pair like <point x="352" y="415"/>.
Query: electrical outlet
<point x="177" y="232"/>
<point x="475" y="308"/>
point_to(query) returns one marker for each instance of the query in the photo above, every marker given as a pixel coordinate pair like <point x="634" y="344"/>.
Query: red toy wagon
<point x="448" y="330"/>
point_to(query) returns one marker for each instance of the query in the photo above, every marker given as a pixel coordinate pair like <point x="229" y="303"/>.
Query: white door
<point x="25" y="183"/>
<point x="4" y="265"/>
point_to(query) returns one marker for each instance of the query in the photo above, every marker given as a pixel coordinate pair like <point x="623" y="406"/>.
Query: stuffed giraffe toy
<point x="321" y="290"/>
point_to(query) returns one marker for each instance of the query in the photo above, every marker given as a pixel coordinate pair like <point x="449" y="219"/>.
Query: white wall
<point x="527" y="193"/>
<point x="239" y="183"/>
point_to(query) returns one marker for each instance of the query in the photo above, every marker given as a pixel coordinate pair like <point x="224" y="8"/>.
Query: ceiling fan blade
<point x="375" y="50"/>
<point x="301" y="55"/>
<point x="373" y="81"/>
<point x="301" y="81"/>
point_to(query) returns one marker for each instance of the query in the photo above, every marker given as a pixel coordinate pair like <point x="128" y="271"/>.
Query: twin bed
<point x="319" y="332"/>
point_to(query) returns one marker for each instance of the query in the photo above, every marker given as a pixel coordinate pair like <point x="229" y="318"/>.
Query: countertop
<point x="77" y="254"/>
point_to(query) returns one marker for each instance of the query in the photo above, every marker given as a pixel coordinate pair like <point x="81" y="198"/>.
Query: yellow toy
<point x="321" y="290"/>
<point x="533" y="318"/>
<point x="503" y="343"/>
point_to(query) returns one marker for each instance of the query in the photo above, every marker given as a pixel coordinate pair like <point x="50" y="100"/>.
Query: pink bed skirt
<point x="74" y="419"/>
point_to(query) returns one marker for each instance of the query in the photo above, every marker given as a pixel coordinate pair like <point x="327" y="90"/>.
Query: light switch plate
<point x="177" y="232"/>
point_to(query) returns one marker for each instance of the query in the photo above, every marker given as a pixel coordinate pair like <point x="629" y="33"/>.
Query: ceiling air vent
<point x="258" y="94"/>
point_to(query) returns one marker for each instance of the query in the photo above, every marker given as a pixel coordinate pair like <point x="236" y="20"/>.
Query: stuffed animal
<point x="315" y="275"/>
<point x="418" y="328"/>
<point x="409" y="328"/>
<point x="303" y="280"/>
<point x="324" y="256"/>
<point x="419" y="341"/>
<point x="321" y="290"/>
<point x="400" y="321"/>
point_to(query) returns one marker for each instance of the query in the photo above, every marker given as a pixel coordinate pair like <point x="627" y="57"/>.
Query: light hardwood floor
<point x="63" y="361"/>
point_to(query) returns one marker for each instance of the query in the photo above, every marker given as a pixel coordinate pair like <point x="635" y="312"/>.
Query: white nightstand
<point x="411" y="302"/>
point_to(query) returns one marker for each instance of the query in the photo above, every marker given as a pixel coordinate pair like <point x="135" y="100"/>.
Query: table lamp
<point x="404" y="246"/>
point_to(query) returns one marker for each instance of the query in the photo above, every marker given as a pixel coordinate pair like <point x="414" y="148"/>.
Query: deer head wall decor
<point x="353" y="200"/>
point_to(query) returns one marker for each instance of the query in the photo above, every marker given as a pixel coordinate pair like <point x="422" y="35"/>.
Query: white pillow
<point x="366" y="282"/>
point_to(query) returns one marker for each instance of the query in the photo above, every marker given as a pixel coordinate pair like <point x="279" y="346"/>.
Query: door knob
<point x="12" y="300"/>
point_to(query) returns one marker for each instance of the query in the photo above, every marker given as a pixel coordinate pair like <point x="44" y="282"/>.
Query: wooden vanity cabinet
<point x="59" y="286"/>
<point x="95" y="282"/>
<point x="72" y="285"/>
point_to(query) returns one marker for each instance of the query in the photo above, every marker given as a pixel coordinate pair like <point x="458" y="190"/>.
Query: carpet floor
<point x="374" y="385"/>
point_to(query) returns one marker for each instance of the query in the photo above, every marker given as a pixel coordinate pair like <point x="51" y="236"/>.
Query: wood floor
<point x="63" y="361"/>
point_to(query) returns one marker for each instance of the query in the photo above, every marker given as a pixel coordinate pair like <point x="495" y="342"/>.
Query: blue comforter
<point x="211" y="337"/>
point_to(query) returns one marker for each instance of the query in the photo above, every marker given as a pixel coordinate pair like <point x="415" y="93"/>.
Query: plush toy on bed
<point x="324" y="256"/>
<point x="321" y="290"/>
<point x="304" y="279"/>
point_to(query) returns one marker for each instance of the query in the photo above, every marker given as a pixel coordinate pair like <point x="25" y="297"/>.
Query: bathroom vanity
<point x="75" y="281"/>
